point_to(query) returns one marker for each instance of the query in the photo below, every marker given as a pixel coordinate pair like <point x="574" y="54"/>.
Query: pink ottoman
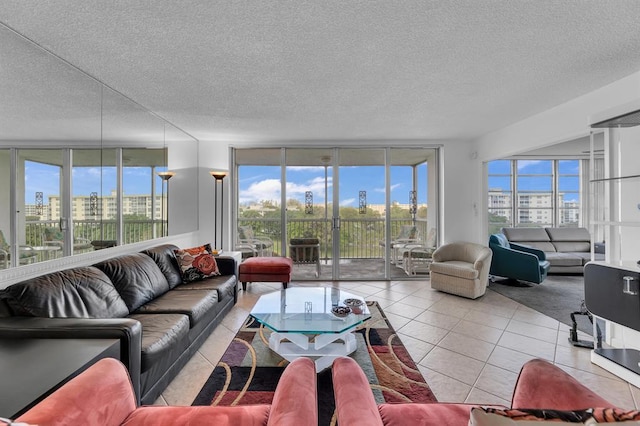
<point x="265" y="269"/>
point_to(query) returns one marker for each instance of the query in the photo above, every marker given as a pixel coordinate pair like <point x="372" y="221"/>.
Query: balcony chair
<point x="418" y="257"/>
<point x="254" y="245"/>
<point x="305" y="251"/>
<point x="409" y="236"/>
<point x="517" y="262"/>
<point x="26" y="254"/>
<point x="55" y="237"/>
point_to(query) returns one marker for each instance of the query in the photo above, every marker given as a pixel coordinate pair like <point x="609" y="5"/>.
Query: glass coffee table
<point x="304" y="326"/>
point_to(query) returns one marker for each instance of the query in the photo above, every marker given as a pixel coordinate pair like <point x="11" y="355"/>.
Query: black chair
<point x="305" y="251"/>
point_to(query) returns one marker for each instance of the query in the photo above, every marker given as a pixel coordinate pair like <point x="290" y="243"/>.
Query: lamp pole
<point x="165" y="176"/>
<point x="218" y="176"/>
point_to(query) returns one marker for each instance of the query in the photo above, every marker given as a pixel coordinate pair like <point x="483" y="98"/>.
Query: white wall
<point x="461" y="197"/>
<point x="562" y="123"/>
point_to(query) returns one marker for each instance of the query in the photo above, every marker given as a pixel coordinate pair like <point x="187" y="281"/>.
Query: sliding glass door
<point x="335" y="211"/>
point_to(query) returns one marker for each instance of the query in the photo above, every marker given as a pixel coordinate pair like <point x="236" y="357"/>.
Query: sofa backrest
<point x="83" y="292"/>
<point x="570" y="239"/>
<point x="165" y="258"/>
<point x="532" y="237"/>
<point x="136" y="277"/>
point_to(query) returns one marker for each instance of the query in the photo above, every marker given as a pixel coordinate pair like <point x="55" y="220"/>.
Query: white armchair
<point x="461" y="268"/>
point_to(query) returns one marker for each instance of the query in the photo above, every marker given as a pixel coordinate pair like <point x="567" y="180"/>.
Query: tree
<point x="496" y="223"/>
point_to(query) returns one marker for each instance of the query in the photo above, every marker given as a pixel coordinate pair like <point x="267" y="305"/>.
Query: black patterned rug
<point x="248" y="371"/>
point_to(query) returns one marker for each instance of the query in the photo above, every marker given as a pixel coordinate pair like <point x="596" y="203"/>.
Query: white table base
<point x="326" y="347"/>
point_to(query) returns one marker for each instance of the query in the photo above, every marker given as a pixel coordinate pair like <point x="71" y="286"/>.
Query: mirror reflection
<point x="79" y="162"/>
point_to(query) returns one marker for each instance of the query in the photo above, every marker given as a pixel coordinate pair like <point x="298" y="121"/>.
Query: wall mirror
<point x="80" y="162"/>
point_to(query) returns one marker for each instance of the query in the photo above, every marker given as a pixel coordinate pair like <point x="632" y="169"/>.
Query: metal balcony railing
<point x="359" y="238"/>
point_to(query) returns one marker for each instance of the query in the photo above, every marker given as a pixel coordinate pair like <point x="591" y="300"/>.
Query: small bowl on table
<point x="341" y="311"/>
<point x="355" y="305"/>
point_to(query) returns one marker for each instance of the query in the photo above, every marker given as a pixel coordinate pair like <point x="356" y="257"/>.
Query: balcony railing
<point x="92" y="230"/>
<point x="359" y="238"/>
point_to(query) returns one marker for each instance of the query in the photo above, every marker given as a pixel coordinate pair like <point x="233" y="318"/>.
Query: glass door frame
<point x="432" y="187"/>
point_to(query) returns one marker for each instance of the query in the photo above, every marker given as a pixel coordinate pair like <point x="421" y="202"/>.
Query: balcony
<point x="360" y="253"/>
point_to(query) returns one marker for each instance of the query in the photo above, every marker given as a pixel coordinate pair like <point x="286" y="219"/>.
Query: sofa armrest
<point x="127" y="330"/>
<point x="295" y="401"/>
<point x="354" y="400"/>
<point x="543" y="385"/>
<point x="226" y="265"/>
<point x="527" y="249"/>
<point x="101" y="395"/>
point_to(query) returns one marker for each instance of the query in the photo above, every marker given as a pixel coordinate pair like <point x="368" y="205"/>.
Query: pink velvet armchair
<point x="540" y="385"/>
<point x="103" y="396"/>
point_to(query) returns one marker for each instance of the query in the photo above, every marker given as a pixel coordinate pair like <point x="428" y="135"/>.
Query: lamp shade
<point x="166" y="175"/>
<point x="218" y="174"/>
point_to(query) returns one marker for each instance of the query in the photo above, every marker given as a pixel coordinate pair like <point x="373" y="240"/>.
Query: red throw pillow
<point x="197" y="263"/>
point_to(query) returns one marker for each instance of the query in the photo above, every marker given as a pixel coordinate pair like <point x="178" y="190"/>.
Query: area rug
<point x="248" y="371"/>
<point x="557" y="297"/>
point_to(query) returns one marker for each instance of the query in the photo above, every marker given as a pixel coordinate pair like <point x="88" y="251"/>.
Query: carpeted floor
<point x="557" y="297"/>
<point x="250" y="370"/>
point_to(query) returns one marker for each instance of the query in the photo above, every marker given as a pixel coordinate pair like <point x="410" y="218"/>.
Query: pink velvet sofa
<point x="540" y="385"/>
<point x="103" y="396"/>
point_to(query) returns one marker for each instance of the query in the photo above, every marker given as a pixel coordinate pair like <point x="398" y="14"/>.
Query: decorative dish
<point x="341" y="311"/>
<point x="353" y="302"/>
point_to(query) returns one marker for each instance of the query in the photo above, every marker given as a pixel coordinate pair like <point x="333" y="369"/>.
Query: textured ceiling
<point x="339" y="69"/>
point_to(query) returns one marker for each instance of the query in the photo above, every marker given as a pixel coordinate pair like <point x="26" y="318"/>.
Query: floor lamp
<point x="218" y="176"/>
<point x="165" y="176"/>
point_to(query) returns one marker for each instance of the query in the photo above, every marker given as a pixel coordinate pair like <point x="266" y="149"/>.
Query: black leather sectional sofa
<point x="138" y="298"/>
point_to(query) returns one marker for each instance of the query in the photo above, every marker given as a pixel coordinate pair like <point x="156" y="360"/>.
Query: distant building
<point x="105" y="207"/>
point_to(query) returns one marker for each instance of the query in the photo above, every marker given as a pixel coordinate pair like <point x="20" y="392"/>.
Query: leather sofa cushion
<point x="136" y="277"/>
<point x="455" y="268"/>
<point x="564" y="259"/>
<point x="165" y="258"/>
<point x="266" y="266"/>
<point x="193" y="303"/>
<point x="162" y="333"/>
<point x="83" y="292"/>
<point x="224" y="285"/>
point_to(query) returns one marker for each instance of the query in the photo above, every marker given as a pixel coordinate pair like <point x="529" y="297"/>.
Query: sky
<point x="528" y="181"/>
<point x="259" y="183"/>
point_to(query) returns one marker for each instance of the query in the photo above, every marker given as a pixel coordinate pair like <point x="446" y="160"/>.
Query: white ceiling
<point x="339" y="69"/>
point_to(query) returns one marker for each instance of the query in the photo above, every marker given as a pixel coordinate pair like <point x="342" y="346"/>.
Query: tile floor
<point x="467" y="350"/>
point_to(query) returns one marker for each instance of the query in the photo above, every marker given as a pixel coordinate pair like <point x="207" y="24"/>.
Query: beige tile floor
<point x="467" y="350"/>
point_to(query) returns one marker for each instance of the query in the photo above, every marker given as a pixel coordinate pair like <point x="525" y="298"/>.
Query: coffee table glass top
<point x="307" y="310"/>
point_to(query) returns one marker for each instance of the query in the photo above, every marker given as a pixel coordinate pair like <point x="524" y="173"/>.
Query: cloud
<point x="305" y="168"/>
<point x="269" y="190"/>
<point x="393" y="187"/>
<point x="523" y="164"/>
<point x="347" y="202"/>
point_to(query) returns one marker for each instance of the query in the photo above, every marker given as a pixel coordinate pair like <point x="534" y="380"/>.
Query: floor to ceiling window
<point x="532" y="193"/>
<point x="342" y="206"/>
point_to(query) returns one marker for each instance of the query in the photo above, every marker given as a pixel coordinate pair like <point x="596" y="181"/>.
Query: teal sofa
<point x="517" y="262"/>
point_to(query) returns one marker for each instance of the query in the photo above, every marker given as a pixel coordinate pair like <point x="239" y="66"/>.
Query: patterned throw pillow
<point x="197" y="263"/>
<point x="487" y="416"/>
